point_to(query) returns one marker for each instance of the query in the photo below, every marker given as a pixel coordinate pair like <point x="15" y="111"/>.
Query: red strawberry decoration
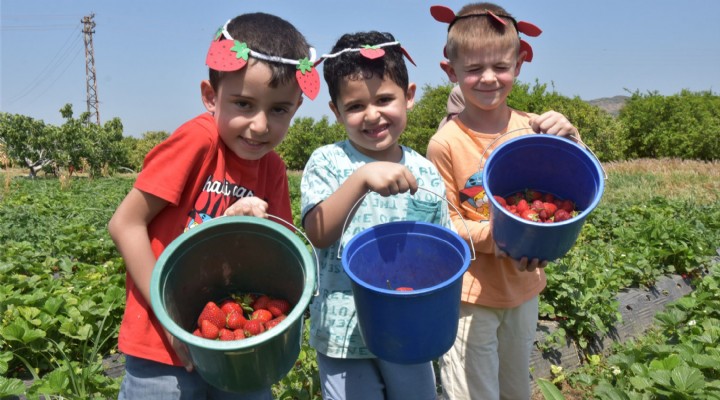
<point x="227" y="55"/>
<point x="308" y="78"/>
<point x="371" y="52"/>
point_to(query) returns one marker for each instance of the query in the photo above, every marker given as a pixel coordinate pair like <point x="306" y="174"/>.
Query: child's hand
<point x="388" y="178"/>
<point x="250" y="206"/>
<point x="180" y="350"/>
<point x="554" y="123"/>
<point x="523" y="264"/>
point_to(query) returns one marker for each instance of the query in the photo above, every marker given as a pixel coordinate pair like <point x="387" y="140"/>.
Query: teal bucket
<point x="225" y="256"/>
<point x="546" y="163"/>
<point x="407" y="327"/>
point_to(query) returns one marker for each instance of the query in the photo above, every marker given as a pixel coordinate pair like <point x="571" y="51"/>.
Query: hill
<point x="610" y="104"/>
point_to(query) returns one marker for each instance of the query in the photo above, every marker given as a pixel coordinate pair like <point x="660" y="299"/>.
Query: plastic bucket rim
<point x="581" y="216"/>
<point x="245" y="344"/>
<point x="415" y="292"/>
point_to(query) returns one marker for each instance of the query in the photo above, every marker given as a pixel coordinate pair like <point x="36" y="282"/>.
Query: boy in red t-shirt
<point x="219" y="163"/>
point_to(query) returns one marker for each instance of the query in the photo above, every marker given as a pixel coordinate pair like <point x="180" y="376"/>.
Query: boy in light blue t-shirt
<point x="370" y="95"/>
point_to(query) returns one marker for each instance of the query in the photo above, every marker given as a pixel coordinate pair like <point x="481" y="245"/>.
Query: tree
<point x="27" y="141"/>
<point x="304" y="136"/>
<point x="136" y="149"/>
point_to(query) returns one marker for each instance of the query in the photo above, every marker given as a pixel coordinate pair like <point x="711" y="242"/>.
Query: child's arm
<point x="324" y="223"/>
<point x="128" y="229"/>
<point x="554" y="123"/>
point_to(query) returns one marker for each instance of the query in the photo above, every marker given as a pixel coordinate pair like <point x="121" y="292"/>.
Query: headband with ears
<point x="446" y="15"/>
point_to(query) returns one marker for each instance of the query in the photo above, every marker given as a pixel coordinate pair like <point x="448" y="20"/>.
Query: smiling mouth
<point x="376" y="131"/>
<point x="252" y="142"/>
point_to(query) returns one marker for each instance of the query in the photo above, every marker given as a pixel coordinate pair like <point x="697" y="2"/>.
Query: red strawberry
<point x="404" y="289"/>
<point x="226" y="334"/>
<point x="562" y="215"/>
<point x="278" y="307"/>
<point x="196" y="332"/>
<point x="236" y="320"/>
<point x="567" y="205"/>
<point x="550" y="208"/>
<point x="530" y="215"/>
<point x="211" y="312"/>
<point x="227" y="55"/>
<point x="548" y="198"/>
<point x="274" y="322"/>
<point x="209" y="330"/>
<point x="532" y="195"/>
<point x="254" y="327"/>
<point x="372" y="52"/>
<point x="308" y="78"/>
<point x="239" y="334"/>
<point x="229" y="306"/>
<point x="261" y="302"/>
<point x="537" y="205"/>
<point x="262" y="315"/>
<point x="522" y="205"/>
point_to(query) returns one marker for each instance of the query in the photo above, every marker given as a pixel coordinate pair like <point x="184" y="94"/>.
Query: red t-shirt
<point x="200" y="177"/>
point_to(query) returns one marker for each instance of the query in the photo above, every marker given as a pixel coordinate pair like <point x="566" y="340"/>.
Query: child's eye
<point x="386" y="100"/>
<point x="280" y="110"/>
<point x="242" y="104"/>
<point x="354" y="108"/>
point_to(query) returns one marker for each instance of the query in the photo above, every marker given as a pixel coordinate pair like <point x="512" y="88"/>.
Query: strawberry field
<point x="62" y="287"/>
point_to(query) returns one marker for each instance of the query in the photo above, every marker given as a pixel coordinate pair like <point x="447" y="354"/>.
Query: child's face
<point x="252" y="117"/>
<point x="485" y="76"/>
<point x="374" y="113"/>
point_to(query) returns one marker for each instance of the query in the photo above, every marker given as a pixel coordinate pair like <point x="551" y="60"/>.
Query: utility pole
<point x="91" y="82"/>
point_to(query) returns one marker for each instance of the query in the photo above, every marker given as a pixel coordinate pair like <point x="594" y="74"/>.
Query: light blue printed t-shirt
<point x="333" y="324"/>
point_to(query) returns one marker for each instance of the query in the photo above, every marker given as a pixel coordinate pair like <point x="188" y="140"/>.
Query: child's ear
<point x="335" y="111"/>
<point x="208" y="95"/>
<point x="449" y="70"/>
<point x="410" y="95"/>
<point x="519" y="63"/>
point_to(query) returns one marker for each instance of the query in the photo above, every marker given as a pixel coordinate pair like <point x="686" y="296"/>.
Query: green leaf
<point x="661" y="377"/>
<point x="687" y="379"/>
<point x="549" y="390"/>
<point x="53" y="304"/>
<point x="640" y="382"/>
<point x="11" y="387"/>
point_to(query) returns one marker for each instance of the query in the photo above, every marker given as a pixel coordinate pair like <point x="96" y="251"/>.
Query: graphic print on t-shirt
<point x="215" y="197"/>
<point x="473" y="198"/>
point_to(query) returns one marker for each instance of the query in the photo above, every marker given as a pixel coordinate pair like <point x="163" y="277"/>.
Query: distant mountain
<point x="610" y="104"/>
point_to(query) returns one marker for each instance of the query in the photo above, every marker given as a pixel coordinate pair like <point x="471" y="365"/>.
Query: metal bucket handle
<point x="357" y="203"/>
<point x="577" y="138"/>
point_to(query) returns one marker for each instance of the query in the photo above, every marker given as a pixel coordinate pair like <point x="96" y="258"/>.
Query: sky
<point x="150" y="54"/>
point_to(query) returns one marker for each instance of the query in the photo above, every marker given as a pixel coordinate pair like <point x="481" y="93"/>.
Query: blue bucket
<point x="546" y="163"/>
<point x="415" y="326"/>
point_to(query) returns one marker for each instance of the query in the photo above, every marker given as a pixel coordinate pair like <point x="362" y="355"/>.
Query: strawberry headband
<point x="446" y="15"/>
<point x="227" y="54"/>
<point x="371" y="51"/>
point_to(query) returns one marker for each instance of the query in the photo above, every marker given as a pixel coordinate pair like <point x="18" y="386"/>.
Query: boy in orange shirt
<point x="498" y="314"/>
<point x="220" y="162"/>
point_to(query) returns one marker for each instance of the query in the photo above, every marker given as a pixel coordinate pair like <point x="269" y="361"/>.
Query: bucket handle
<point x="577" y="138"/>
<point x="419" y="188"/>
<point x="317" y="260"/>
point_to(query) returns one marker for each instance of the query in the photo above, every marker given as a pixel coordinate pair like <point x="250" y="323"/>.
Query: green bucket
<point x="229" y="255"/>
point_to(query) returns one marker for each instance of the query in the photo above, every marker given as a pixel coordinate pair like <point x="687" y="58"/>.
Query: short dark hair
<point x="269" y="35"/>
<point x="353" y="65"/>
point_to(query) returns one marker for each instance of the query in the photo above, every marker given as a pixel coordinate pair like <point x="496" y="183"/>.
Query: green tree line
<point x="684" y="125"/>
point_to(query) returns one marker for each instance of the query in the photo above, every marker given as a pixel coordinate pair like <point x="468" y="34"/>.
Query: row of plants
<point x="62" y="293"/>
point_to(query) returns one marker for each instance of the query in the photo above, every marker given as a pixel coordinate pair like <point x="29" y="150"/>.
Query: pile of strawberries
<point x="537" y="206"/>
<point x="241" y="316"/>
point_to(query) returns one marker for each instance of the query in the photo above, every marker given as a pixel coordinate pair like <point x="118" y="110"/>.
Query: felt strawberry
<point x="278" y="307"/>
<point x="227" y="55"/>
<point x="226" y="334"/>
<point x="211" y="312"/>
<point x="262" y="315"/>
<point x="254" y="327"/>
<point x="308" y="78"/>
<point x="235" y="320"/>
<point x="371" y="52"/>
<point x="229" y="306"/>
<point x="208" y="330"/>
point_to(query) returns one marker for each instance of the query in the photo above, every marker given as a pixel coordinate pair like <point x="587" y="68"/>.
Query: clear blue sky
<point x="150" y="55"/>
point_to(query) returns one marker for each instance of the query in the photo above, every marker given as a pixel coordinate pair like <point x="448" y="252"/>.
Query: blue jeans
<point x="146" y="379"/>
<point x="374" y="379"/>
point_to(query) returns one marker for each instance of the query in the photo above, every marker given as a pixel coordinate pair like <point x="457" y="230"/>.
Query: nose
<point x="259" y="123"/>
<point x="372" y="114"/>
<point x="487" y="75"/>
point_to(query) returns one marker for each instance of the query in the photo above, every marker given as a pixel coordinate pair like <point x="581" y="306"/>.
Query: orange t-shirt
<point x="459" y="154"/>
<point x="200" y="177"/>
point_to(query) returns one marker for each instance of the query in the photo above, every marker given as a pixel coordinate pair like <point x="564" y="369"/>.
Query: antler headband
<point x="446" y="15"/>
<point x="227" y="54"/>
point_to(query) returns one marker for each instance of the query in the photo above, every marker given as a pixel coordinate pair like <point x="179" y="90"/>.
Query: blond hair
<point x="474" y="29"/>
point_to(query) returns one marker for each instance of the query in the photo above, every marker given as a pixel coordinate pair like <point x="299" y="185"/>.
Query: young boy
<point x="221" y="162"/>
<point x="498" y="314"/>
<point x="370" y="95"/>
